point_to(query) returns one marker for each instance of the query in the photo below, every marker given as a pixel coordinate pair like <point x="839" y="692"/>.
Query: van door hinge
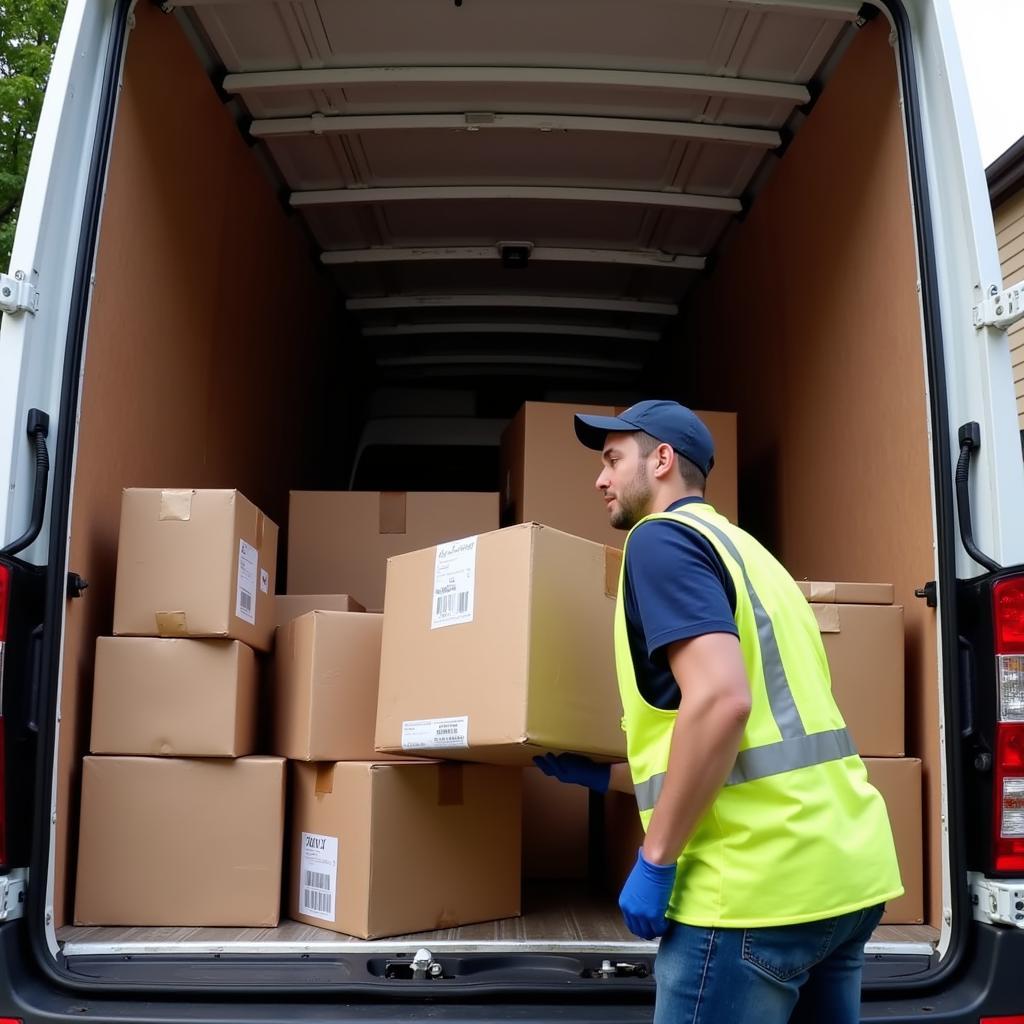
<point x="17" y="295"/>
<point x="13" y="890"/>
<point x="1001" y="309"/>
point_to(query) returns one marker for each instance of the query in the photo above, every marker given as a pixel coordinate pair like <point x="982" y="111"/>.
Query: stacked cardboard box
<point x="356" y="812"/>
<point x="180" y="826"/>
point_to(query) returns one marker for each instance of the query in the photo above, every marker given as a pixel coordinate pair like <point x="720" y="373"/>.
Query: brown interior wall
<point x="810" y="328"/>
<point x="207" y="318"/>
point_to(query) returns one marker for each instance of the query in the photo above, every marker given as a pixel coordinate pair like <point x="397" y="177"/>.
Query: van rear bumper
<point x="989" y="983"/>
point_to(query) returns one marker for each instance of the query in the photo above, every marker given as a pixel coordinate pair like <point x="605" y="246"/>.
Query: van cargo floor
<point x="556" y="916"/>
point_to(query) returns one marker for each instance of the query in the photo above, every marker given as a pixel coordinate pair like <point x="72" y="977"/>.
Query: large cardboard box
<point x="499" y="647"/>
<point x="340" y="541"/>
<point x="391" y="849"/>
<point x="899" y="782"/>
<point x="326" y="672"/>
<point x="174" y="698"/>
<point x="864" y="646"/>
<point x="291" y="606"/>
<point x="897" y="779"/>
<point x="195" y="563"/>
<point x="548" y="477"/>
<point x="170" y="841"/>
<point x="556" y="827"/>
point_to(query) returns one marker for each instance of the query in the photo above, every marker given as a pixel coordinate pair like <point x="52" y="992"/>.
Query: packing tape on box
<point x="449" y="785"/>
<point x="324" y="780"/>
<point x="612" y="570"/>
<point x="819" y="592"/>
<point x="391" y="512"/>
<point x="176" y="506"/>
<point x="171" y="624"/>
<point x="261" y="525"/>
<point x="828" y="617"/>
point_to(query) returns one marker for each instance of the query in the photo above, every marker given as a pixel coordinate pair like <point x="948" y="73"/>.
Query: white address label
<point x="318" y="876"/>
<point x="454" y="583"/>
<point x="435" y="733"/>
<point x="245" y="598"/>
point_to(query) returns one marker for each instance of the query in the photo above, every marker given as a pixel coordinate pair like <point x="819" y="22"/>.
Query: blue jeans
<point x="800" y="973"/>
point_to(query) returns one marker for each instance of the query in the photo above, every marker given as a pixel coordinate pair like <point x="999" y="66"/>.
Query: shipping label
<point x="454" y="583"/>
<point x="435" y="733"/>
<point x="318" y="876"/>
<point x="245" y="599"/>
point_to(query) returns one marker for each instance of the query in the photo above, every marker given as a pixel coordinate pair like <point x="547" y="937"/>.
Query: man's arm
<point x="620" y="779"/>
<point x="712" y="715"/>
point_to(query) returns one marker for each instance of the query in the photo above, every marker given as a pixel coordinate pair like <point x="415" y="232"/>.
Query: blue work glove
<point x="644" y="898"/>
<point x="575" y="768"/>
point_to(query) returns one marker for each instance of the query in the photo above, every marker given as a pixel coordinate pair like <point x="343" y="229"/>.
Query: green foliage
<point x="28" y="35"/>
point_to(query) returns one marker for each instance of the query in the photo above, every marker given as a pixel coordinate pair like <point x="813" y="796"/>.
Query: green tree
<point x="28" y="35"/>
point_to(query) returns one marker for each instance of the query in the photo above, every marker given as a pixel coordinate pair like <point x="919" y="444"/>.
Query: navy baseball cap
<point x="670" y="422"/>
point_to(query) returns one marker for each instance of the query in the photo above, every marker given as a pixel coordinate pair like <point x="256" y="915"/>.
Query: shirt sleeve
<point x="680" y="587"/>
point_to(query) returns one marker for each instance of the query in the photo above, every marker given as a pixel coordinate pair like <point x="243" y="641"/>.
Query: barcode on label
<point x="318" y="880"/>
<point x="448" y="604"/>
<point x="319" y="902"/>
<point x="245" y="598"/>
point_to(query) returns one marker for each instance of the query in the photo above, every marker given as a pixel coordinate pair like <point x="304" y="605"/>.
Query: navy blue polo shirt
<point x="676" y="588"/>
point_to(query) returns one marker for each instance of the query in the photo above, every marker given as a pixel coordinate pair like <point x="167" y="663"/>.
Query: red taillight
<point x="5" y="600"/>
<point x="1008" y="615"/>
<point x="1017" y="1018"/>
<point x="1008" y="809"/>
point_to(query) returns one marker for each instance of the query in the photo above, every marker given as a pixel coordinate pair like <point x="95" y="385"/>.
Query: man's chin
<point x="621" y="521"/>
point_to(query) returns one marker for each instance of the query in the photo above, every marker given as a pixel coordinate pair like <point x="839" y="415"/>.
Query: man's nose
<point x="602" y="480"/>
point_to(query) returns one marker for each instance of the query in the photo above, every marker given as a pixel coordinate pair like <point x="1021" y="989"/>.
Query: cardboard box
<point x="340" y="541"/>
<point x="864" y="646"/>
<point x="897" y="779"/>
<point x="169" y="841"/>
<point x="623" y="835"/>
<point x="556" y="827"/>
<point x="174" y="698"/>
<point x="391" y="849"/>
<point x="291" y="606"/>
<point x="195" y="563"/>
<point x="899" y="782"/>
<point x="499" y="647"/>
<point x="548" y="477"/>
<point x="326" y="673"/>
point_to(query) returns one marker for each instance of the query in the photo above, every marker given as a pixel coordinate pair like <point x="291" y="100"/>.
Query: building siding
<point x="1009" y="218"/>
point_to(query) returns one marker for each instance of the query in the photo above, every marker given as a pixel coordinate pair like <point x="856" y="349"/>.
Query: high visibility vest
<point x="797" y="833"/>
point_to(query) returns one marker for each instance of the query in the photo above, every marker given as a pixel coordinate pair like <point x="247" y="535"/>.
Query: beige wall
<point x="810" y="329"/>
<point x="206" y="324"/>
<point x="1009" y="218"/>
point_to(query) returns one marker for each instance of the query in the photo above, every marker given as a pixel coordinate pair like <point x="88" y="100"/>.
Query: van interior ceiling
<point x="378" y="227"/>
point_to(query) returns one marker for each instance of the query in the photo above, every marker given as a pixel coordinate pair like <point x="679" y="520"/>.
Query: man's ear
<point x="666" y="461"/>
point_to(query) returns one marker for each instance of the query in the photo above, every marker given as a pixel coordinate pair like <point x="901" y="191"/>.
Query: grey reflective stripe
<point x="788" y="755"/>
<point x="780" y="696"/>
<point x="763" y="762"/>
<point x="648" y="791"/>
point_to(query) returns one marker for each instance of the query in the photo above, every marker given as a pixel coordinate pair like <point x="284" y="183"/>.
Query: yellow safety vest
<point x="797" y="833"/>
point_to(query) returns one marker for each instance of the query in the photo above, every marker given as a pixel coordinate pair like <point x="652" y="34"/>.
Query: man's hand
<point x="644" y="898"/>
<point x="575" y="768"/>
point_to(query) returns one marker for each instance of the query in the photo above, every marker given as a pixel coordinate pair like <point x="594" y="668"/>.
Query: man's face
<point x="624" y="482"/>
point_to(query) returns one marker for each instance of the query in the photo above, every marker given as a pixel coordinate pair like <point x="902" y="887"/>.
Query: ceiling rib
<point x="716" y="85"/>
<point x="509" y="327"/>
<point x="538" y="253"/>
<point x="319" y="124"/>
<point x="513" y="301"/>
<point x="417" y="193"/>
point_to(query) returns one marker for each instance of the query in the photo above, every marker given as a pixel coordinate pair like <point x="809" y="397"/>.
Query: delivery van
<point x="336" y="244"/>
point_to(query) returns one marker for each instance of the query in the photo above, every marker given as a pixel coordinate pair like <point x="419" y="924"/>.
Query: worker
<point x="767" y="857"/>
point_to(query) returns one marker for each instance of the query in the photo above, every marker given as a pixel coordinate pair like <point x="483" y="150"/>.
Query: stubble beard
<point x="633" y="501"/>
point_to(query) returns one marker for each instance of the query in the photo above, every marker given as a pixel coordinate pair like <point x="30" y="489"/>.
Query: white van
<point x="259" y="238"/>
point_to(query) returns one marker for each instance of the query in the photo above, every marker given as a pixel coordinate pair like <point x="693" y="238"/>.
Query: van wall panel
<point x="206" y="322"/>
<point x="810" y="327"/>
